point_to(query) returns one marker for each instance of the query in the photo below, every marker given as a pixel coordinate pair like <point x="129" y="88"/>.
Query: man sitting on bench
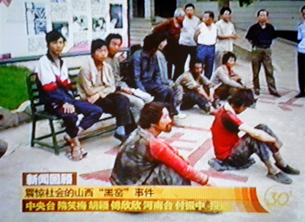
<point x="55" y="93"/>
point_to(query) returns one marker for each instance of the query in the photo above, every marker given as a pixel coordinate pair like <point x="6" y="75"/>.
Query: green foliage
<point x="13" y="90"/>
<point x="245" y="2"/>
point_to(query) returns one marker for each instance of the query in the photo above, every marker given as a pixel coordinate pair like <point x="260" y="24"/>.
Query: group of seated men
<point x="143" y="158"/>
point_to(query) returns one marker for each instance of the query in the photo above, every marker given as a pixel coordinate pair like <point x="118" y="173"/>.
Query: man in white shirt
<point x="96" y="84"/>
<point x="301" y="55"/>
<point x="225" y="34"/>
<point x="206" y="35"/>
<point x="187" y="44"/>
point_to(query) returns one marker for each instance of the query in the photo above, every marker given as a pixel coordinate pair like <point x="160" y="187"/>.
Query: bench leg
<point x="33" y="132"/>
<point x="54" y="140"/>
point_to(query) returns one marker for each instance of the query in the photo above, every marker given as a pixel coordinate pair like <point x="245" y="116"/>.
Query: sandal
<point x="84" y="153"/>
<point x="76" y="154"/>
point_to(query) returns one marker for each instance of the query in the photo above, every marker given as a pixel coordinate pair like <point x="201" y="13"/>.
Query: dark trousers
<point x="191" y="98"/>
<point x="263" y="56"/>
<point x="170" y="53"/>
<point x="224" y="91"/>
<point x="301" y="68"/>
<point x="248" y="145"/>
<point x="184" y="51"/>
<point x="119" y="106"/>
<point x="91" y="113"/>
<point x="163" y="93"/>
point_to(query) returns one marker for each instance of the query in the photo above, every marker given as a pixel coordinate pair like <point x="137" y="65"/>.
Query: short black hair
<point x="151" y="114"/>
<point x="54" y="35"/>
<point x="113" y="36"/>
<point x="152" y="41"/>
<point x="223" y="9"/>
<point x="134" y="48"/>
<point x="227" y="56"/>
<point x="96" y="44"/>
<point x="242" y="97"/>
<point x="211" y="14"/>
<point x="262" y="10"/>
<point x="302" y="8"/>
<point x="189" y="5"/>
<point x="196" y="61"/>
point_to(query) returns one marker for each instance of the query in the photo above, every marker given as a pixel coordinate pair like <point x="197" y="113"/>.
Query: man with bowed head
<point x="144" y="159"/>
<point x="261" y="140"/>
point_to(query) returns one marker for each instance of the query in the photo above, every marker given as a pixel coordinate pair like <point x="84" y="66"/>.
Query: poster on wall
<point x="116" y="18"/>
<point x="80" y="21"/>
<point x="36" y="20"/>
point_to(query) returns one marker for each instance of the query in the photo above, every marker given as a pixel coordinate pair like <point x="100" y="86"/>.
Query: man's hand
<point x="236" y="78"/>
<point x="234" y="37"/>
<point x="68" y="108"/>
<point x="122" y="57"/>
<point x="92" y="99"/>
<point x="210" y="183"/>
<point x="126" y="90"/>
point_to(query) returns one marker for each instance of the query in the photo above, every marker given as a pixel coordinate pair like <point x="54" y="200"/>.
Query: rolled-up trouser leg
<point x="249" y="145"/>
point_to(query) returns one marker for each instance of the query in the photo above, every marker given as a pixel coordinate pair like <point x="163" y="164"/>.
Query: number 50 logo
<point x="277" y="196"/>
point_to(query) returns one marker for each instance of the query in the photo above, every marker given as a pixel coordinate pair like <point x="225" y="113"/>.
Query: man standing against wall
<point x="301" y="55"/>
<point x="171" y="28"/>
<point x="187" y="44"/>
<point x="225" y="34"/>
<point x="260" y="36"/>
<point x="206" y="35"/>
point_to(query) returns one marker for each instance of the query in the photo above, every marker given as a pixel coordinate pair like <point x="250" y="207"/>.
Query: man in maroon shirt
<point x="235" y="151"/>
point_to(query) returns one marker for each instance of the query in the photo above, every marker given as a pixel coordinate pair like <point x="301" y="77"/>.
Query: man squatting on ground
<point x="225" y="78"/>
<point x="197" y="89"/>
<point x="55" y="85"/>
<point x="96" y="85"/>
<point x="236" y="151"/>
<point x="144" y="159"/>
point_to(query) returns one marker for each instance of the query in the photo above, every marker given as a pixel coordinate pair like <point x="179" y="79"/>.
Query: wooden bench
<point x="38" y="114"/>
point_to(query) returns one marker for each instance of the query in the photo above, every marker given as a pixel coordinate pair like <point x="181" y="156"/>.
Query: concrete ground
<point x="284" y="115"/>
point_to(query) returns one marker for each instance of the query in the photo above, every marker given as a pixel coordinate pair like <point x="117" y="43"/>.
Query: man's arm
<point x="257" y="133"/>
<point x="157" y="73"/>
<point x="197" y="33"/>
<point x="226" y="79"/>
<point x="162" y="27"/>
<point x="86" y="84"/>
<point x="220" y="32"/>
<point x="136" y="64"/>
<point x="47" y="79"/>
<point x="250" y="35"/>
<point x="164" y="153"/>
<point x="274" y="35"/>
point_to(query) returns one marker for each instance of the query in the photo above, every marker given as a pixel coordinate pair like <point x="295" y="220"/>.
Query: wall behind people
<point x="284" y="14"/>
<point x="23" y="24"/>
